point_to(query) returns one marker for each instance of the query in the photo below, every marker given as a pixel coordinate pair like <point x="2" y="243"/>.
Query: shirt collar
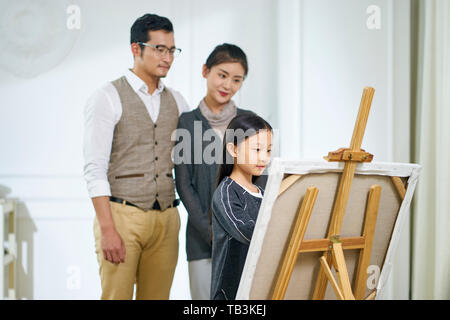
<point x="139" y="85"/>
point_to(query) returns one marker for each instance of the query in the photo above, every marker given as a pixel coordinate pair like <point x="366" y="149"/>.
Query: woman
<point x="195" y="175"/>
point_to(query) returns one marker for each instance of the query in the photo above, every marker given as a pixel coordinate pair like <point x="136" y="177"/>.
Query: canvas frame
<point x="280" y="168"/>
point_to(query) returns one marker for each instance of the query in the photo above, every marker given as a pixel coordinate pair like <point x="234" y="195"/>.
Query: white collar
<point x="255" y="194"/>
<point x="139" y="85"/>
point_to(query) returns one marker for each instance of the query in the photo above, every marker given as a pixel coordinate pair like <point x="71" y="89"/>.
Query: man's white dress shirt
<point x="102" y="112"/>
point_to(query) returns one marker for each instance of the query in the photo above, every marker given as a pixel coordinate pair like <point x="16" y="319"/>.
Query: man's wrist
<point x="109" y="227"/>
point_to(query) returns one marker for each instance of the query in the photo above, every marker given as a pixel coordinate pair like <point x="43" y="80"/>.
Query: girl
<point x="224" y="71"/>
<point x="236" y="200"/>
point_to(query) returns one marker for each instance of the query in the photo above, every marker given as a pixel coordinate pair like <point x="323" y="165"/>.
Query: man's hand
<point x="112" y="246"/>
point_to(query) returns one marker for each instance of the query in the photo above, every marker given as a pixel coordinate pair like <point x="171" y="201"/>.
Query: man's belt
<point x="156" y="205"/>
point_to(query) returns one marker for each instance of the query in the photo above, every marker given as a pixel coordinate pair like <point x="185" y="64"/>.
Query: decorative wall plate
<point x="36" y="35"/>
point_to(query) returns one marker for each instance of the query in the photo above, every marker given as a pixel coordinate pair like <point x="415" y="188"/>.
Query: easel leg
<point x="294" y="245"/>
<point x="399" y="186"/>
<point x="372" y="295"/>
<point x="341" y="271"/>
<point x="329" y="275"/>
<point x="342" y="290"/>
<point x="321" y="283"/>
<point x="337" y="217"/>
<point x="368" y="233"/>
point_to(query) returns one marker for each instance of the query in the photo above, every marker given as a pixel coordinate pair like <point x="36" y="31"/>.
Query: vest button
<point x="155" y="125"/>
<point x="156" y="142"/>
<point x="156" y="194"/>
<point x="156" y="158"/>
<point x="156" y="176"/>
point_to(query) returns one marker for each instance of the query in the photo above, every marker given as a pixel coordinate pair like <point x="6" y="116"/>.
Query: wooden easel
<point x="333" y="246"/>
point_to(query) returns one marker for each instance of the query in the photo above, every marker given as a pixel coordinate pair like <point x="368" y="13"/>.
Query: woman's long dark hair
<point x="242" y="127"/>
<point x="227" y="52"/>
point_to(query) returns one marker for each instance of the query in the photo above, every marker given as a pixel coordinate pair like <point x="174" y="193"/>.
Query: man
<point x="128" y="168"/>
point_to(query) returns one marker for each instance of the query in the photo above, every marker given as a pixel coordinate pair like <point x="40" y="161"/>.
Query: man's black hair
<point x="148" y="22"/>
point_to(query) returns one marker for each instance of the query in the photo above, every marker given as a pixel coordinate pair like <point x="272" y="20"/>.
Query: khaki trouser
<point x="151" y="241"/>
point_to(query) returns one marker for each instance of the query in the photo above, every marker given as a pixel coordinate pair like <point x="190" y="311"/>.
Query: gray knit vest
<point x="140" y="166"/>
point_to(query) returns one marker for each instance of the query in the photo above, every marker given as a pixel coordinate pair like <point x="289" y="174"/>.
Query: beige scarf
<point x="219" y="122"/>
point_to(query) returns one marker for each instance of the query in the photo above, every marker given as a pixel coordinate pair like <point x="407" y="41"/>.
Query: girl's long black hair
<point x="248" y="123"/>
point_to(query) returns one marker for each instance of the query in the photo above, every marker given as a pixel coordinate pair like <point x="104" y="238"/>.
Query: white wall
<point x="308" y="63"/>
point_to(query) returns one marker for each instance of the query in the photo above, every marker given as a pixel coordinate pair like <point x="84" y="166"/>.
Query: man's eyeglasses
<point x="161" y="50"/>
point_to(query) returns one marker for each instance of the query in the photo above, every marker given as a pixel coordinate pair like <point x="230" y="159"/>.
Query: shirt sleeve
<point x="99" y="122"/>
<point x="181" y="102"/>
<point x="190" y="198"/>
<point x="232" y="215"/>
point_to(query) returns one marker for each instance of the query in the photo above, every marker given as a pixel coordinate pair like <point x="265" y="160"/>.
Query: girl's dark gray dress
<point x="234" y="213"/>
